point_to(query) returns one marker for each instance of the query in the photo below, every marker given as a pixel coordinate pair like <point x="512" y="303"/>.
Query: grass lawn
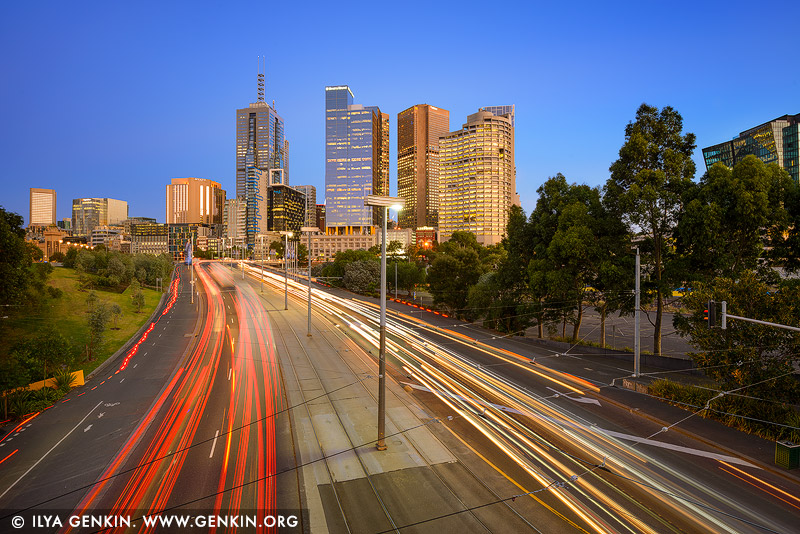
<point x="68" y="316"/>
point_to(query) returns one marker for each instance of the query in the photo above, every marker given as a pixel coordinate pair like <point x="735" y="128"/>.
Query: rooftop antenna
<point x="273" y="105"/>
<point x="260" y="80"/>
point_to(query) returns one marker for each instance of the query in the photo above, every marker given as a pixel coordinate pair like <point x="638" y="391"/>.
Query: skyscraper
<point x="356" y="161"/>
<point x="42" y="207"/>
<point x="260" y="148"/>
<point x="195" y="200"/>
<point x="311" y="204"/>
<point x="477" y="177"/>
<point x="89" y="213"/>
<point x="418" y="131"/>
<point x="774" y="141"/>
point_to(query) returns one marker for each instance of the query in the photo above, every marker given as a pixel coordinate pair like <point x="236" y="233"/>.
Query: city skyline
<point x="575" y="77"/>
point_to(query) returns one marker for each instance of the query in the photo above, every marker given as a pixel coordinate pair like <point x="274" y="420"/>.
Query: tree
<point x="730" y="217"/>
<point x="91" y="301"/>
<point x="335" y="270"/>
<point x="13" y="375"/>
<point x="116" y="312"/>
<point x="34" y="251"/>
<point x="43" y="354"/>
<point x="57" y="257"/>
<point x="745" y="354"/>
<point x="455" y="269"/>
<point x="278" y="246"/>
<point x="136" y="294"/>
<point x="15" y="259"/>
<point x="362" y="276"/>
<point x="98" y="319"/>
<point x="409" y="275"/>
<point x="647" y="185"/>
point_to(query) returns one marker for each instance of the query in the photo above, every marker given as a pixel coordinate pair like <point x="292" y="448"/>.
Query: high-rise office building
<point x="418" y="131"/>
<point x="234" y="220"/>
<point x="42" y="207"/>
<point x="477" y="177"/>
<point x="356" y="161"/>
<point x="260" y="148"/>
<point x="286" y="209"/>
<point x="88" y="213"/>
<point x="311" y="204"/>
<point x="195" y="200"/>
<point x="775" y="141"/>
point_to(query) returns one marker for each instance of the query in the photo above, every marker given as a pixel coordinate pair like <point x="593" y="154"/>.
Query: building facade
<point x="477" y="178"/>
<point x="354" y="162"/>
<point x="42" y="207"/>
<point x="179" y="234"/>
<point x="325" y="246"/>
<point x="418" y="131"/>
<point x="149" y="238"/>
<point x="195" y="200"/>
<point x="286" y="209"/>
<point x="320" y="217"/>
<point x="88" y="213"/>
<point x="234" y="219"/>
<point x="310" y="192"/>
<point x="775" y="141"/>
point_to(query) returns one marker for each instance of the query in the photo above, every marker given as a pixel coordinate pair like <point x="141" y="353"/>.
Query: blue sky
<point x="112" y="99"/>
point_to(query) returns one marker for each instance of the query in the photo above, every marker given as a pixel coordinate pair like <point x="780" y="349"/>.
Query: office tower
<point x="476" y="177"/>
<point x="194" y="200"/>
<point x="354" y="161"/>
<point x="88" y="213"/>
<point x="418" y="131"/>
<point x="774" y="141"/>
<point x="320" y="217"/>
<point x="286" y="160"/>
<point x="149" y="238"/>
<point x="286" y="209"/>
<point x="234" y="220"/>
<point x="310" y="192"/>
<point x="42" y="207"/>
<point x="260" y="148"/>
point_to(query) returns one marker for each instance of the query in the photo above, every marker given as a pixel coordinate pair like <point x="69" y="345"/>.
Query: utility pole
<point x="637" y="315"/>
<point x="286" y="236"/>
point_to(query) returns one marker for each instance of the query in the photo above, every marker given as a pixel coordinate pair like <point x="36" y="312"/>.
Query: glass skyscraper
<point x="356" y="161"/>
<point x="418" y="131"/>
<point x="772" y="142"/>
<point x="260" y="148"/>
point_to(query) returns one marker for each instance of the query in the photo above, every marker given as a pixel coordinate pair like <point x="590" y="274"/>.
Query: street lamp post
<point x="286" y="235"/>
<point x="309" y="230"/>
<point x="261" y="237"/>
<point x="396" y="204"/>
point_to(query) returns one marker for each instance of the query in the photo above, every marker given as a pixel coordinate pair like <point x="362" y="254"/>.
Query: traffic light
<point x="711" y="313"/>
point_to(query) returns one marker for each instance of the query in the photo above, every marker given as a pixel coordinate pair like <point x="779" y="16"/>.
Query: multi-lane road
<point x="228" y="407"/>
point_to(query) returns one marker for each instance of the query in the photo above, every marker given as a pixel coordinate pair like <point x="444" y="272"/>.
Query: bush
<point x="63" y="379"/>
<point x="747" y="414"/>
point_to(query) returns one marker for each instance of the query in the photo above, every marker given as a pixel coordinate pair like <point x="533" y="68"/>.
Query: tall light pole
<point x="309" y="230"/>
<point x="637" y="319"/>
<point x="286" y="236"/>
<point x="261" y="237"/>
<point x="396" y="204"/>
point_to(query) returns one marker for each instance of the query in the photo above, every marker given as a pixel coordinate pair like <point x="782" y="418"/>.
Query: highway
<point x="225" y="406"/>
<point x="602" y="468"/>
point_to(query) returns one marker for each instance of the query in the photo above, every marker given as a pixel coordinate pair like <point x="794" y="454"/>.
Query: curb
<point x="127" y="345"/>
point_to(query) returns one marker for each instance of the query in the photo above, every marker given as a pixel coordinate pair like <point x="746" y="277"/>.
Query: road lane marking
<point x="214" y="444"/>
<point x="585" y="400"/>
<point x="595" y="429"/>
<point x="229" y="373"/>
<point x="87" y="428"/>
<point x="51" y="450"/>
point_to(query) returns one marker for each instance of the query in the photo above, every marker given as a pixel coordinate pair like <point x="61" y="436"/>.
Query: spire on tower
<point x="260" y="79"/>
